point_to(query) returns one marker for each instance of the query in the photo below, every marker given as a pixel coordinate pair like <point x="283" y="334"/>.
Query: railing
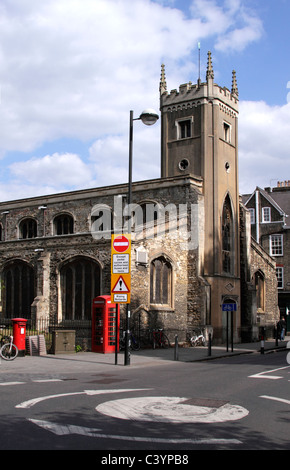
<point x="45" y="327"/>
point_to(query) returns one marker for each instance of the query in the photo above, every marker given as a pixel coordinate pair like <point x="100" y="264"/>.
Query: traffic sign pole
<point x="121" y="279"/>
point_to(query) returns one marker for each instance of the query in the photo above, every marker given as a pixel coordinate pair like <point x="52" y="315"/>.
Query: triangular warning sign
<point x="121" y="286"/>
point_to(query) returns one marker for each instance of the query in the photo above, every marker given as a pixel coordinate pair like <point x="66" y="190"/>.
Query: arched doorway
<point x="80" y="283"/>
<point x="19" y="289"/>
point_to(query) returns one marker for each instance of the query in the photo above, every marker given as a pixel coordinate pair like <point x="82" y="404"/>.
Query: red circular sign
<point x="121" y="244"/>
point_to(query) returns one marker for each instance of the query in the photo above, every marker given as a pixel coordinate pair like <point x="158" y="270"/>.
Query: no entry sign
<point x="121" y="244"/>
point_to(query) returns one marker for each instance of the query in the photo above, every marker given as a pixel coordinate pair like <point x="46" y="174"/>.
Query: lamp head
<point x="149" y="117"/>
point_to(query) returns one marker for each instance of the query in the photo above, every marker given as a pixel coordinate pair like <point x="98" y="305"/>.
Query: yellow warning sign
<point x="120" y="268"/>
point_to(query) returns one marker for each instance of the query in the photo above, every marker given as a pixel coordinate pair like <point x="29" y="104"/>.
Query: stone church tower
<point x="199" y="136"/>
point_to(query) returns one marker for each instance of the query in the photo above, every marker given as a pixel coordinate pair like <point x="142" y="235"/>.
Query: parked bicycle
<point x="197" y="340"/>
<point x="9" y="351"/>
<point x="160" y="339"/>
<point x="134" y="343"/>
<point x="5" y="338"/>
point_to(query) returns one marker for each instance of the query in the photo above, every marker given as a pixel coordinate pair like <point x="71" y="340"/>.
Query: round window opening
<point x="183" y="164"/>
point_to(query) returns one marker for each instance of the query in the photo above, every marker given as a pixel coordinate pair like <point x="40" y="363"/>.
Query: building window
<point x="80" y="283"/>
<point x="63" y="224"/>
<point x="227" y="132"/>
<point x="266" y="214"/>
<point x="260" y="290"/>
<point x="280" y="276"/>
<point x="252" y="214"/>
<point x="161" y="281"/>
<point x="28" y="228"/>
<point x="184" y="128"/>
<point x="227" y="237"/>
<point x="102" y="221"/>
<point x="19" y="290"/>
<point x="276" y="245"/>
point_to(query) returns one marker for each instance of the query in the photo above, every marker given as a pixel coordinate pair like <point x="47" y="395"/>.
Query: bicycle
<point x="160" y="339"/>
<point x="9" y="351"/>
<point x="5" y="338"/>
<point x="197" y="340"/>
<point x="134" y="343"/>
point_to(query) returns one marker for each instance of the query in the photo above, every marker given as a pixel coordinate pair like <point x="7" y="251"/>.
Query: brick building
<point x="192" y="251"/>
<point x="269" y="211"/>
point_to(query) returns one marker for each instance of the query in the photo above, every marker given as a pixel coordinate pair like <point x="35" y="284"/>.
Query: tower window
<point x="227" y="132"/>
<point x="184" y="128"/>
<point x="227" y="237"/>
<point x="183" y="164"/>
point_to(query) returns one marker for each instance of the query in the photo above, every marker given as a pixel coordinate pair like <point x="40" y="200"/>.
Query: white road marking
<point x="264" y="375"/>
<point x="3" y="384"/>
<point x="169" y="410"/>
<point x="34" y="401"/>
<point x="282" y="400"/>
<point x="47" y="380"/>
<point x="64" y="429"/>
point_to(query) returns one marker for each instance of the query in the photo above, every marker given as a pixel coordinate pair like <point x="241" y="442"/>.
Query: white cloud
<point x="234" y="25"/>
<point x="74" y="69"/>
<point x="53" y="171"/>
<point x="264" y="143"/>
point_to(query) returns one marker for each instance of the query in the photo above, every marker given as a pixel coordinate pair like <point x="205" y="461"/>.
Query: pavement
<point x="81" y="362"/>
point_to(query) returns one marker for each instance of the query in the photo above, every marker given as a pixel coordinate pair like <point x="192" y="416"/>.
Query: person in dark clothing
<point x="282" y="328"/>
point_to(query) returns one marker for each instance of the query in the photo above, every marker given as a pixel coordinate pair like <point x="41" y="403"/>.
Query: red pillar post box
<point x="19" y="334"/>
<point x="104" y="325"/>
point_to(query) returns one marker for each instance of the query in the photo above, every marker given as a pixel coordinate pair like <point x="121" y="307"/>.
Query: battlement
<point x="191" y="95"/>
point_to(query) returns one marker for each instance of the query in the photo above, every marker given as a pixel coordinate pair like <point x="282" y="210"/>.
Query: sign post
<point x="121" y="277"/>
<point x="121" y="269"/>
<point x="230" y="308"/>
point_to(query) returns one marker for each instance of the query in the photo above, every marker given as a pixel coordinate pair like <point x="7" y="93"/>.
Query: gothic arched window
<point x="19" y="289"/>
<point x="28" y="228"/>
<point x="260" y="290"/>
<point x="227" y="237"/>
<point x="63" y="224"/>
<point x="80" y="283"/>
<point x="161" y="281"/>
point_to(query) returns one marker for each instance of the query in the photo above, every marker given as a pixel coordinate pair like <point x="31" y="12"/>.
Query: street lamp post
<point x="148" y="117"/>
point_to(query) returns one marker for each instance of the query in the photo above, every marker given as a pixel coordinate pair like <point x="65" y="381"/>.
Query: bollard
<point x="209" y="344"/>
<point x="262" y="342"/>
<point x="176" y="348"/>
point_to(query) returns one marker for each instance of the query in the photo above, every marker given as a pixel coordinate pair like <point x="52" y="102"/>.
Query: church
<point x="193" y="258"/>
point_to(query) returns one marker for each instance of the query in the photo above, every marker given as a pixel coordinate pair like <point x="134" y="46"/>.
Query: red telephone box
<point x="104" y="325"/>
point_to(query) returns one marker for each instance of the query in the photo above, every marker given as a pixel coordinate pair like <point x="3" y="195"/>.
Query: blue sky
<point x="71" y="70"/>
